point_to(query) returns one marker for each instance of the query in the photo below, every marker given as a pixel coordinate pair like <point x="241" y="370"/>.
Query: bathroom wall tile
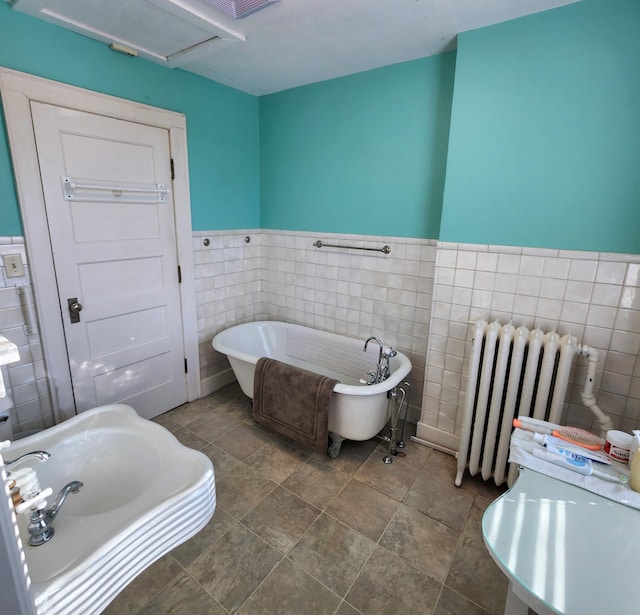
<point x="630" y="298"/>
<point x="583" y="270"/>
<point x="633" y="275"/>
<point x="509" y="263"/>
<point x="611" y="273"/>
<point x="552" y="288"/>
<point x="487" y="261"/>
<point x="528" y="285"/>
<point x="606" y="294"/>
<point x="506" y="283"/>
<point x="601" y="316"/>
<point x="580" y="293"/>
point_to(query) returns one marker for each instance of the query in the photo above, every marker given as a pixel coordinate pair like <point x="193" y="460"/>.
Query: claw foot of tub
<point x="336" y="444"/>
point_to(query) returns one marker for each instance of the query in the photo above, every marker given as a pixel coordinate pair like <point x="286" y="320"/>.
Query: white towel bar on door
<point x="69" y="187"/>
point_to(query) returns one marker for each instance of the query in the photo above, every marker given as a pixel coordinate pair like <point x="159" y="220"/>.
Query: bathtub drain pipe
<point x="587" y="396"/>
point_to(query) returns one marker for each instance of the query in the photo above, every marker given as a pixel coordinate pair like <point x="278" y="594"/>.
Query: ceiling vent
<point x="239" y="8"/>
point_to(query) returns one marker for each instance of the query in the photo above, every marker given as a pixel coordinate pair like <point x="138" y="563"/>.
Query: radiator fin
<point x="512" y="371"/>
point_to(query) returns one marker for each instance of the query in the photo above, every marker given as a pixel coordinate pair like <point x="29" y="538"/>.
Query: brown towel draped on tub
<point x="293" y="402"/>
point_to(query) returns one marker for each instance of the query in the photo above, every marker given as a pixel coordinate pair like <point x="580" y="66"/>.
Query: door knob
<point x="74" y="309"/>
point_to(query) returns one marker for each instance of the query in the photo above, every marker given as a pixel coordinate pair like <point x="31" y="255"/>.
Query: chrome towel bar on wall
<point x="319" y="244"/>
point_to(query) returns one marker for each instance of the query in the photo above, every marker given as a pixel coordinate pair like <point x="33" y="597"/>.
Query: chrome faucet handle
<point x="36" y="503"/>
<point x="39" y="455"/>
<point x="39" y="527"/>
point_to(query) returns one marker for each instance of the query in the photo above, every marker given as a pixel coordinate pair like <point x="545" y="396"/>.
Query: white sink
<point x="144" y="493"/>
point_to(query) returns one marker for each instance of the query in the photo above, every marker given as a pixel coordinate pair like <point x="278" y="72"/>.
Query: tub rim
<point x="402" y="370"/>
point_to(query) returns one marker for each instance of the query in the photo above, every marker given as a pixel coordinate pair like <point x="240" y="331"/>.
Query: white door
<point x="107" y="192"/>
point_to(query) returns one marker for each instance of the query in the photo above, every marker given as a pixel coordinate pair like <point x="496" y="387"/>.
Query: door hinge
<point x="173" y="170"/>
<point x="179" y="275"/>
<point x="186" y="368"/>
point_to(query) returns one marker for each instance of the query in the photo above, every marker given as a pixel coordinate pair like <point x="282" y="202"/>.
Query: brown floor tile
<point x="238" y="557"/>
<point x="439" y="500"/>
<point x="352" y="455"/>
<point x="423" y="542"/>
<point x="190" y="439"/>
<point x="473" y="526"/>
<point x="240" y="490"/>
<point x="182" y="597"/>
<point x="363" y="508"/>
<point x="347" y="609"/>
<point x="288" y="590"/>
<point x="276" y="460"/>
<point x="389" y="585"/>
<point x="281" y="518"/>
<point x="188" y="551"/>
<point x="332" y="553"/>
<point x="242" y="441"/>
<point x="172" y="420"/>
<point x="198" y="409"/>
<point x="475" y="575"/>
<point x="145" y="587"/>
<point x="231" y="569"/>
<point x="441" y="466"/>
<point x="395" y="479"/>
<point x="316" y="482"/>
<point x="214" y="426"/>
<point x="223" y="462"/>
<point x="453" y="603"/>
<point x="477" y="486"/>
<point x="414" y="454"/>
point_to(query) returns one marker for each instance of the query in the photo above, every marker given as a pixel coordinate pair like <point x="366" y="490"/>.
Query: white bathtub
<point x="358" y="411"/>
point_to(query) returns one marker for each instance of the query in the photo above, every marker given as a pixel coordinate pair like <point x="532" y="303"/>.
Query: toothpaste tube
<point x="577" y="463"/>
<point x="552" y="443"/>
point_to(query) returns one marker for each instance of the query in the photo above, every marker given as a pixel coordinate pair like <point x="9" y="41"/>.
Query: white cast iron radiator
<point x="513" y="371"/>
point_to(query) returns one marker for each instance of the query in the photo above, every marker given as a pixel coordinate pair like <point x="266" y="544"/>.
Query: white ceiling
<point x="288" y="43"/>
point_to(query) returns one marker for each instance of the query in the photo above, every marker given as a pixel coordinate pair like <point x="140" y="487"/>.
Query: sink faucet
<point x="40" y="522"/>
<point x="39" y="455"/>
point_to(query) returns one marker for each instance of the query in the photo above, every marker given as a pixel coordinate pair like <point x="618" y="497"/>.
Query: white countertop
<point x="570" y="550"/>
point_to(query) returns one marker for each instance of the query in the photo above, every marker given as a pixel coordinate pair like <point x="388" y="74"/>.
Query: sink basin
<point x="144" y="493"/>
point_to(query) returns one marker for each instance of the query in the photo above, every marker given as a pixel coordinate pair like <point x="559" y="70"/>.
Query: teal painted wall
<point x="544" y="147"/>
<point x="222" y="123"/>
<point x="362" y="154"/>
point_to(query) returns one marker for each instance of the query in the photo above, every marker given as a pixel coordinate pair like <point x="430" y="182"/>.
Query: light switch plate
<point x="13" y="265"/>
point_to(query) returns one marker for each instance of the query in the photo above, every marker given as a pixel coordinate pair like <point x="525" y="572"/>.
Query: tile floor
<point x="298" y="533"/>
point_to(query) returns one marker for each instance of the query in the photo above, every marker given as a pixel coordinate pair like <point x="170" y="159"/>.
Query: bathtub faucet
<point x="383" y="370"/>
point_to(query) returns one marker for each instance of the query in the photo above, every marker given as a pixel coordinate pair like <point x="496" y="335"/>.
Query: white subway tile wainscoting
<point x="593" y="296"/>
<point x="419" y="298"/>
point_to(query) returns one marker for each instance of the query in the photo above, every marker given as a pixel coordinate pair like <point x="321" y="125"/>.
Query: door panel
<point x="114" y="249"/>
